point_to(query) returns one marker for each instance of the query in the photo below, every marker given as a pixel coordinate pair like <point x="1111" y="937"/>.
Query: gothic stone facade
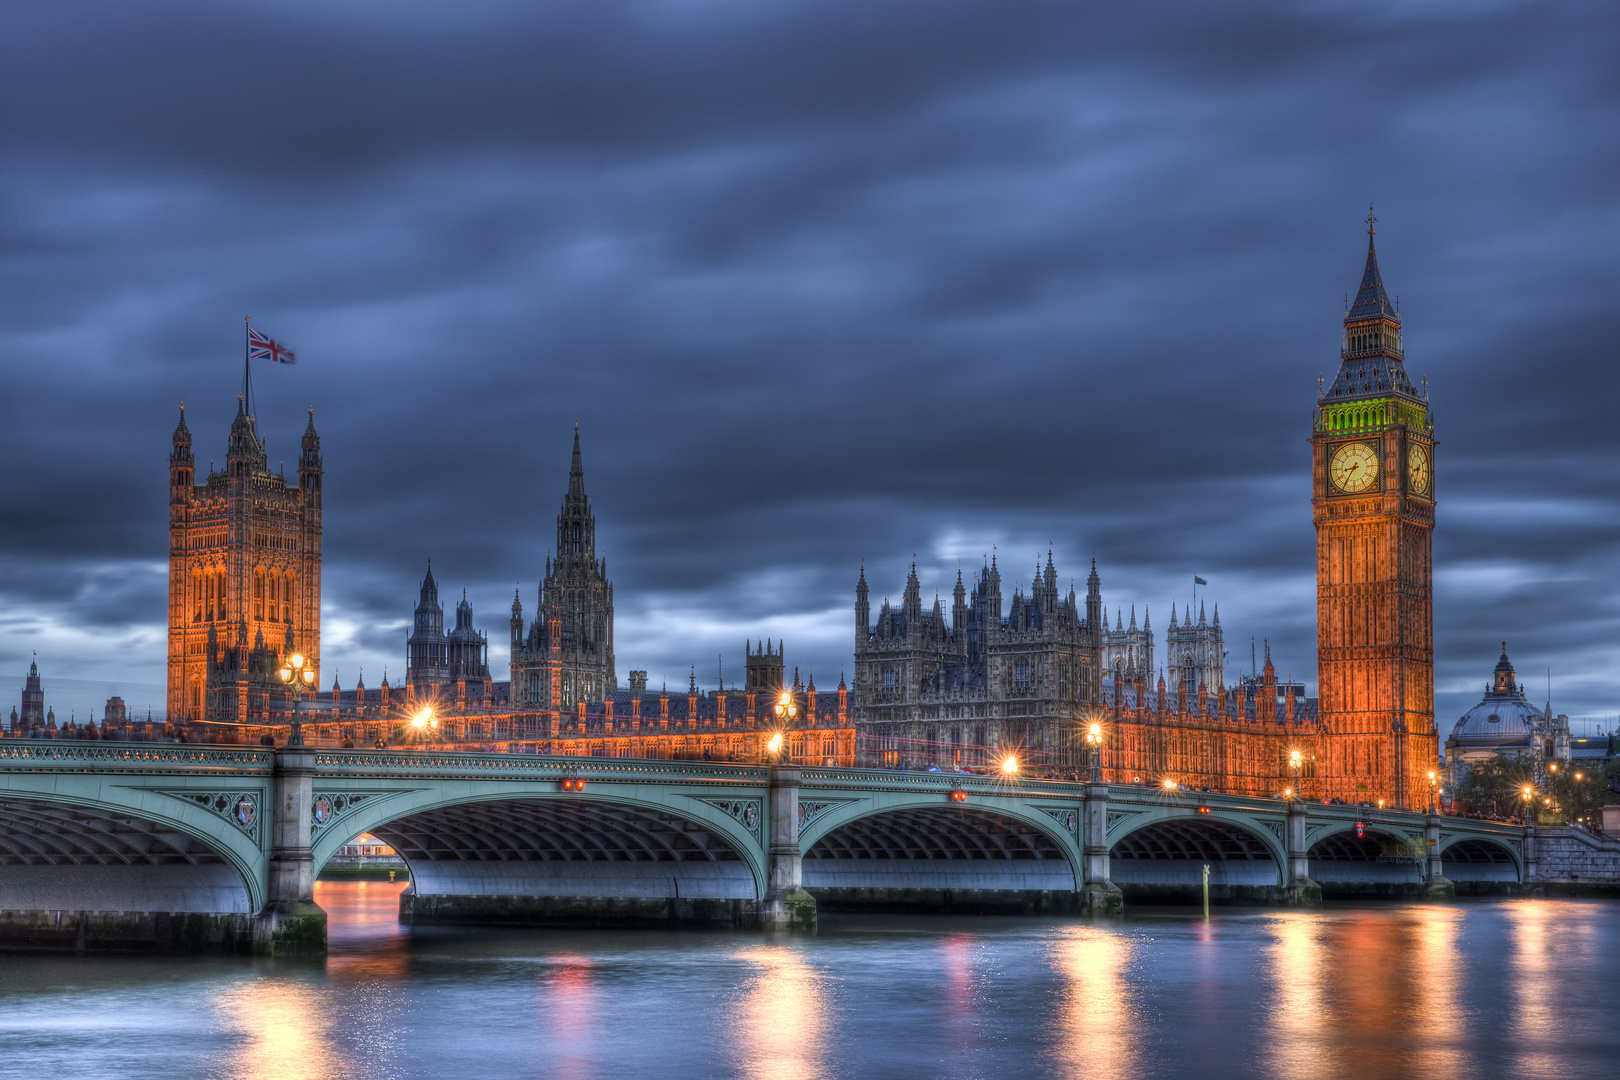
<point x="448" y="669"/>
<point x="244" y="575"/>
<point x="957" y="693"/>
<point x="566" y="656"/>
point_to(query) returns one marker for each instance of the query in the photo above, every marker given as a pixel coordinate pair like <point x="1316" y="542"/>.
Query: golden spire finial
<point x="1372" y="219"/>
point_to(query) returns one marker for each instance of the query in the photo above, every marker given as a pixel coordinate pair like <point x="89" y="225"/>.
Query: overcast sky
<point x="821" y="281"/>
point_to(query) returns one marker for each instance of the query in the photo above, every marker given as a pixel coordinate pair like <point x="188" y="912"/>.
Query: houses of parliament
<point x="993" y="675"/>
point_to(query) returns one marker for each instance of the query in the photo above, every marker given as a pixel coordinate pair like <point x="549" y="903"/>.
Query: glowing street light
<point x="1431" y="792"/>
<point x="787" y="709"/>
<point x="1169" y="783"/>
<point x="774" y="746"/>
<point x="295" y="675"/>
<point x="1294" y="762"/>
<point x="1009" y="765"/>
<point x="1094" y="738"/>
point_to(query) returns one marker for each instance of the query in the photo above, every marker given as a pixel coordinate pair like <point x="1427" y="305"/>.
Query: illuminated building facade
<point x="244" y="575"/>
<point x="1372" y="469"/>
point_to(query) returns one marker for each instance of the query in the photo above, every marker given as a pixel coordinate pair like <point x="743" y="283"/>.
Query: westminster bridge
<point x="183" y="847"/>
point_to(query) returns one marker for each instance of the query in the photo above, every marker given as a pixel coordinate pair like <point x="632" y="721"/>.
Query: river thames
<point x="1521" y="988"/>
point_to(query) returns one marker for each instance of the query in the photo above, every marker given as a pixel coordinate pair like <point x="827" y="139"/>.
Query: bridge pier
<point x="787" y="906"/>
<point x="1098" y="894"/>
<point x="1435" y="885"/>
<point x="1532" y="866"/>
<point x="1300" y="890"/>
<point x="291" y="924"/>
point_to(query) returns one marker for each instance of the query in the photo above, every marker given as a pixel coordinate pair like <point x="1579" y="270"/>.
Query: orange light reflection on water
<point x="1096" y="1026"/>
<point x="364" y="937"/>
<point x="784" y="1017"/>
<point x="1300" y="1048"/>
<point x="283" y="1022"/>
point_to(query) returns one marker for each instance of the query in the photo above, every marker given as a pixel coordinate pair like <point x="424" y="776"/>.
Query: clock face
<point x="1417" y="470"/>
<point x="1353" y="468"/>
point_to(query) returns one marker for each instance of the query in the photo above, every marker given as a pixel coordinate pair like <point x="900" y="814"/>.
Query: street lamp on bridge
<point x="1431" y="792"/>
<point x="295" y="675"/>
<point x="424" y="722"/>
<point x="1094" y="738"/>
<point x="1294" y="762"/>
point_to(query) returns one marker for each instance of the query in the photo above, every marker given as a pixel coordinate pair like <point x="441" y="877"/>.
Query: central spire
<point x="1372" y="302"/>
<point x="576" y="473"/>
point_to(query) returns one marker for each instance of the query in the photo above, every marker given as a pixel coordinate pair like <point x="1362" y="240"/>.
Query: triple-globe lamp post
<point x="787" y="711"/>
<point x="296" y="674"/>
<point x="1094" y="739"/>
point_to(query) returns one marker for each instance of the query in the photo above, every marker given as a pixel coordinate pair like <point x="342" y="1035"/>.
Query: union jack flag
<point x="264" y="348"/>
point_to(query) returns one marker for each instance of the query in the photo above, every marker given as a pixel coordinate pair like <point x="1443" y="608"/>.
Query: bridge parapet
<point x="49" y="754"/>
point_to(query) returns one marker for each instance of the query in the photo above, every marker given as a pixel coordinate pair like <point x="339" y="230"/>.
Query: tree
<point x="1495" y="787"/>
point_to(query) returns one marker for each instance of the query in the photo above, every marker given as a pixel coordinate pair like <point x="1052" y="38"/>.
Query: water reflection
<point x="1096" y="1025"/>
<point x="1369" y="993"/>
<point x="570" y="1017"/>
<point x="281" y="1029"/>
<point x="1534" y="987"/>
<point x="364" y="936"/>
<point x="1438" y="1016"/>
<point x="784" y="1017"/>
<point x="1299" y="1047"/>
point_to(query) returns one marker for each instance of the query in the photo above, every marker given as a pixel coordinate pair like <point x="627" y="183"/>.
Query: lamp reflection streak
<point x="1537" y="987"/>
<point x="284" y="1025"/>
<point x="784" y="1018"/>
<point x="570" y="1016"/>
<point x="1304" y="1026"/>
<point x="1096" y="1023"/>
<point x="1438" y="1013"/>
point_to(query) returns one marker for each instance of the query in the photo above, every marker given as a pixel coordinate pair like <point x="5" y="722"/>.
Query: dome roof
<point x="1503" y="718"/>
<point x="1499" y="720"/>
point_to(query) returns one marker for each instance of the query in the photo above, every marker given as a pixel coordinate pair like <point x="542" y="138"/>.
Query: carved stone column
<point x="1098" y="895"/>
<point x="291" y="923"/>
<point x="1299" y="890"/>
<point x="1436" y="887"/>
<point x="786" y="906"/>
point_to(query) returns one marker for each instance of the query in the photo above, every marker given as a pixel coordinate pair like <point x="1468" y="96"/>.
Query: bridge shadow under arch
<point x="926" y="858"/>
<point x="1377" y="862"/>
<point x="1165" y="858"/>
<point x="557" y="860"/>
<point x="127" y="880"/>
<point x="1479" y="860"/>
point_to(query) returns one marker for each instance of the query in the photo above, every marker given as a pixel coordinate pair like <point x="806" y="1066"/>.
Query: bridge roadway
<point x="132" y="846"/>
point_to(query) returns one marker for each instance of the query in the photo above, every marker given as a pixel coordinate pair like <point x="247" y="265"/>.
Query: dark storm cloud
<point x="821" y="281"/>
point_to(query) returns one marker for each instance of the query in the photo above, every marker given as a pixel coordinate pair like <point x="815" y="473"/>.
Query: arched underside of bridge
<point x="1478" y="860"/>
<point x="544" y="861"/>
<point x="62" y="857"/>
<point x="933" y="858"/>
<point x="1377" y="862"/>
<point x="87" y="878"/>
<point x="1167" y="858"/>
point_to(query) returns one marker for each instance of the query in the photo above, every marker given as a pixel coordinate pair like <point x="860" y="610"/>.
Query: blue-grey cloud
<point x="822" y="282"/>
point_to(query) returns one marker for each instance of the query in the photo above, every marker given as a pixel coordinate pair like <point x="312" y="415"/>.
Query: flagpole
<point x="247" y="381"/>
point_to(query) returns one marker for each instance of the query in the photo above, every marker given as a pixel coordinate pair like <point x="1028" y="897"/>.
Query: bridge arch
<point x="933" y="844"/>
<point x="1383" y="856"/>
<point x="1169" y="848"/>
<point x="136" y="851"/>
<point x="1480" y="858"/>
<point x="477" y="842"/>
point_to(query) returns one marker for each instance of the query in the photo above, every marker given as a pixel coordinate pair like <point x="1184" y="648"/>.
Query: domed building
<point x="1506" y="724"/>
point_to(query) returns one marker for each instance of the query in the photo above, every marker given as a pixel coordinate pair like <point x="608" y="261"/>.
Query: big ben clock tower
<point x="1372" y="458"/>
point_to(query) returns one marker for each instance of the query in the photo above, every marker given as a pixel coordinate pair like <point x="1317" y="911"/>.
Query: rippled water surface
<point x="1513" y="988"/>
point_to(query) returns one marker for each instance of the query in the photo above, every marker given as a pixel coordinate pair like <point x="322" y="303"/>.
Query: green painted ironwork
<point x="1373" y="415"/>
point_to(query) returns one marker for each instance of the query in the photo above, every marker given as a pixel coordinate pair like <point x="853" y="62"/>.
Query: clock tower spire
<point x="1372" y="453"/>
